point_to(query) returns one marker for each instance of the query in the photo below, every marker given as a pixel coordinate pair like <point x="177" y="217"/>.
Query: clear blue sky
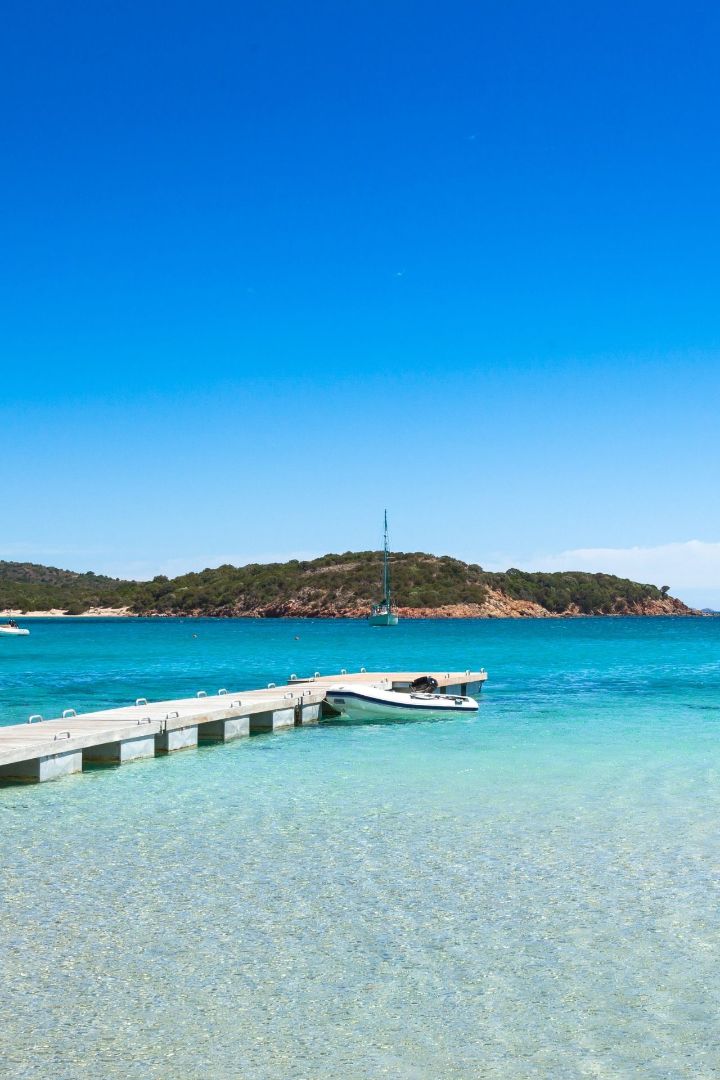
<point x="270" y="267"/>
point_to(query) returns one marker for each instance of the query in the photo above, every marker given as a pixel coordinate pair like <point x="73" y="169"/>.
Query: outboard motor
<point x="424" y="685"/>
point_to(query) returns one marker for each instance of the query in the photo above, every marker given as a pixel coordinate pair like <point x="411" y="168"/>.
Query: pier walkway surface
<point x="47" y="749"/>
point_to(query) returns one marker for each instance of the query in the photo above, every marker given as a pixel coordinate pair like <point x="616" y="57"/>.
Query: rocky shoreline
<point x="495" y="606"/>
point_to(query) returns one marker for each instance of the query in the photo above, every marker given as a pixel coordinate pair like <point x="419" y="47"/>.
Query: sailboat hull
<point x="388" y="619"/>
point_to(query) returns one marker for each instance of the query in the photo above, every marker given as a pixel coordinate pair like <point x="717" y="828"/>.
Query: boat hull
<point x="386" y="619"/>
<point x="13" y="631"/>
<point x="356" y="703"/>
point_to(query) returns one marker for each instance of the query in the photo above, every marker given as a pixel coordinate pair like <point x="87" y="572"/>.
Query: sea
<point x="533" y="891"/>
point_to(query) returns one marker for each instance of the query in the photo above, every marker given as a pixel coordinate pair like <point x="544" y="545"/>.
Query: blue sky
<point x="268" y="268"/>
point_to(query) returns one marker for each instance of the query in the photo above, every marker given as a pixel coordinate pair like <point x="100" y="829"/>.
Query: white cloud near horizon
<point x="691" y="567"/>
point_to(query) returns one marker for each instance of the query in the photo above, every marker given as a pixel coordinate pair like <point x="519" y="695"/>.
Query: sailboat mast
<point x="386" y="581"/>
<point x="381" y="614"/>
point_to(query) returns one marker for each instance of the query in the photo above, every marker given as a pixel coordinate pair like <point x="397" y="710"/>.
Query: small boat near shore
<point x="12" y="628"/>
<point x="363" y="701"/>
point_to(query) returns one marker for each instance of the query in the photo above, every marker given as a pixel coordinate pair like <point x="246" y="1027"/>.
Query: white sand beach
<point x="58" y="613"/>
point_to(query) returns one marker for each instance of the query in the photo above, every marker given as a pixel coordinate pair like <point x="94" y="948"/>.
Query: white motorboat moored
<point x="13" y="628"/>
<point x="362" y="701"/>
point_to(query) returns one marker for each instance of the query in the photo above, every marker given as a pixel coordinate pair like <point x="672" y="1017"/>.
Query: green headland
<point x="335" y="586"/>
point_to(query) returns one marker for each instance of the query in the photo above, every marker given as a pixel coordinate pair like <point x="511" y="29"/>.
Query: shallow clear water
<point x="533" y="892"/>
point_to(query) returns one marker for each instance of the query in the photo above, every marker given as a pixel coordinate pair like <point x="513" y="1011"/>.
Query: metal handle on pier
<point x="145" y="720"/>
<point x="271" y="685"/>
<point x="172" y="715"/>
<point x="68" y="712"/>
<point x="223" y="691"/>
<point x="141" y="701"/>
<point x="63" y="735"/>
<point x="35" y="716"/>
<point x="201" y="693"/>
<point x="235" y="704"/>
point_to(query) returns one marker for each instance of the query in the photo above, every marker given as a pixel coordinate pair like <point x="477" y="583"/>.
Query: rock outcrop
<point x="496" y="606"/>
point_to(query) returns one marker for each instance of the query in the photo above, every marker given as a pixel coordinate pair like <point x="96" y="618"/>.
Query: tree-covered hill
<point x="599" y="594"/>
<point x="30" y="587"/>
<point x="334" y="585"/>
<point x="331" y="583"/>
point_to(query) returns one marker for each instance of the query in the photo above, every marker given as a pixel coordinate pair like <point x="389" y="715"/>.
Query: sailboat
<point x="382" y="614"/>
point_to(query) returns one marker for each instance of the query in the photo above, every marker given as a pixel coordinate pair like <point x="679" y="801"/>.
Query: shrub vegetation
<point x="331" y="583"/>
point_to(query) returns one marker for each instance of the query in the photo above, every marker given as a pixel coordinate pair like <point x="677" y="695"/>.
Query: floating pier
<point x="48" y="749"/>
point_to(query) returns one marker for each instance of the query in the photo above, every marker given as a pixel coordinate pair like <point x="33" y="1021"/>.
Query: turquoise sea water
<point x="533" y="892"/>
